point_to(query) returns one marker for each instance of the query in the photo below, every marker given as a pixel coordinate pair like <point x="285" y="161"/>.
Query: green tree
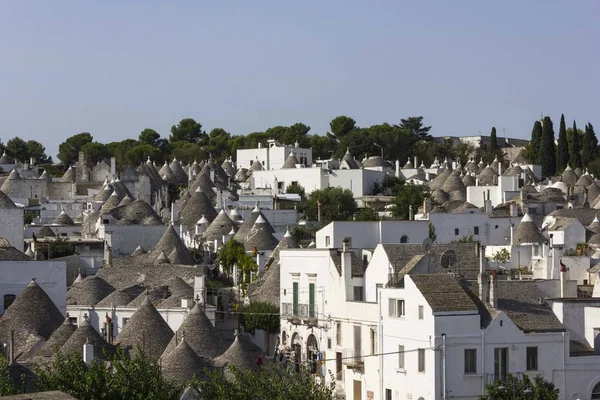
<point x="68" y="151"/>
<point x="140" y="153"/>
<point x="188" y="130"/>
<point x="37" y="151"/>
<point x="119" y="151"/>
<point x="562" y="149"/>
<point x="589" y="148"/>
<point x="415" y="126"/>
<point x="296" y="188"/>
<point x="408" y="195"/>
<point x="149" y="136"/>
<point x="275" y="382"/>
<point x="340" y="126"/>
<point x="7" y="386"/>
<point x="323" y="146"/>
<point x="260" y="315"/>
<point x="463" y="152"/>
<point x="233" y="253"/>
<point x="17" y="148"/>
<point x="575" y="148"/>
<point x="187" y="152"/>
<point x="366" y="214"/>
<point x="138" y="377"/>
<point x="219" y="144"/>
<point x="95" y="152"/>
<point x="337" y="204"/>
<point x="521" y="388"/>
<point x="535" y="143"/>
<point x="548" y="149"/>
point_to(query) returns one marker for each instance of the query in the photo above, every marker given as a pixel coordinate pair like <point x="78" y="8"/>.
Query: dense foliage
<point x="233" y="253"/>
<point x="407" y="197"/>
<point x="260" y="315"/>
<point x="337" y="204"/>
<point x="135" y="378"/>
<point x="274" y="382"/>
<point x="562" y="148"/>
<point x="521" y="388"/>
<point x="7" y="386"/>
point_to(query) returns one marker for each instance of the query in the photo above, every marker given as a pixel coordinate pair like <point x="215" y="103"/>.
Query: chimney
<point x="426" y="205"/>
<point x="107" y="254"/>
<point x="81" y="159"/>
<point x="416" y="164"/>
<point x="514" y="210"/>
<point x="563" y="273"/>
<point x="113" y="167"/>
<point x="411" y="215"/>
<point x="11" y="349"/>
<point x="347" y="269"/>
<point x="493" y="282"/>
<point x="481" y="279"/>
<point x="512" y="234"/>
<point x="397" y="168"/>
<point x="88" y="353"/>
<point x="499" y="168"/>
<point x="427" y="176"/>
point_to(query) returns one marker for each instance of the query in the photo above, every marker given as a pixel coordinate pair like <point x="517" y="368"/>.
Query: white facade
<point x="273" y="156"/>
<point x="11" y="227"/>
<point x="368" y="234"/>
<point x="310" y="179"/>
<point x="507" y="189"/>
<point x="50" y="275"/>
<point x="359" y="181"/>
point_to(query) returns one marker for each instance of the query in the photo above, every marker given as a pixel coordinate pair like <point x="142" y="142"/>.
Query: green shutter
<point x="311" y="300"/>
<point x="295" y="305"/>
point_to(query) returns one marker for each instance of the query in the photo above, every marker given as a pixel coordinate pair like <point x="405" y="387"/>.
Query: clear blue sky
<point x="115" y="67"/>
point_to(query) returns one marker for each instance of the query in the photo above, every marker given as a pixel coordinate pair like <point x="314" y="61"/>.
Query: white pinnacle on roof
<point x="234" y="212"/>
<point x="29" y="252"/>
<point x="202" y="221"/>
<point x="197" y="190"/>
<point x="260" y="220"/>
<point x="232" y="231"/>
<point x="222" y="211"/>
<point x="526" y="218"/>
<point x="256" y="209"/>
<point x="568" y="168"/>
<point x="287" y="233"/>
<point x="596" y="220"/>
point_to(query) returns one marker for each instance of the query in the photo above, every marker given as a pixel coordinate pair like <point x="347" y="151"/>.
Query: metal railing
<point x="353" y="357"/>
<point x="308" y="311"/>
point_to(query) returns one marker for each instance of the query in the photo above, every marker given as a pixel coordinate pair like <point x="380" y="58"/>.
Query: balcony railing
<point x="353" y="357"/>
<point x="307" y="312"/>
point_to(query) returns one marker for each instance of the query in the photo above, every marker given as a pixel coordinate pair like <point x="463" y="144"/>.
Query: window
<point x="496" y="227"/>
<point x="532" y="211"/>
<point x="532" y="359"/>
<point x="470" y="361"/>
<point x="329" y="343"/>
<point x="373" y="341"/>
<point x="357" y="341"/>
<point x="500" y="363"/>
<point x="311" y="300"/>
<point x="404" y="239"/>
<point x="295" y="298"/>
<point x="400" y="357"/>
<point x="560" y="207"/>
<point x="338" y="333"/>
<point x="8" y="300"/>
<point x="536" y="250"/>
<point x="421" y="356"/>
<point x="359" y="293"/>
<point x="421" y="312"/>
<point x="456" y="232"/>
<point x="125" y="320"/>
<point x="476" y="230"/>
<point x="327" y="241"/>
<point x="396" y="308"/>
<point x="388" y="394"/>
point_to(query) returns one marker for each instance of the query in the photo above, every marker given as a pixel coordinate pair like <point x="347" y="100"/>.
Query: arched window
<point x="404" y="239"/>
<point x="8" y="300"/>
<point x="596" y="391"/>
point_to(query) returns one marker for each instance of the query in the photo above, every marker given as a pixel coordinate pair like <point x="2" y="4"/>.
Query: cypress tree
<point x="589" y="148"/>
<point x="493" y="150"/>
<point x="547" y="149"/>
<point x="534" y="144"/>
<point x="575" y="148"/>
<point x="562" y="150"/>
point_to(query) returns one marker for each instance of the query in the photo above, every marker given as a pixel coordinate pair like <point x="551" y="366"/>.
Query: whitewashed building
<point x="273" y="156"/>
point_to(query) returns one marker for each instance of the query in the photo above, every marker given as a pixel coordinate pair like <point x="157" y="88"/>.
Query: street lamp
<point x="381" y="147"/>
<point x="209" y="153"/>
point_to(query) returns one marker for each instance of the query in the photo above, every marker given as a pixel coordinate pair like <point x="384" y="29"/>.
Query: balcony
<point x="354" y="358"/>
<point x="300" y="312"/>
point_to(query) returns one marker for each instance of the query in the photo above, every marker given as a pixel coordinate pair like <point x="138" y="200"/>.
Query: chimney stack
<point x="397" y="168"/>
<point x="347" y="268"/>
<point x="411" y="215"/>
<point x="481" y="278"/>
<point x="563" y="273"/>
<point x="493" y="282"/>
<point x="88" y="353"/>
<point x="416" y="164"/>
<point x="11" y="349"/>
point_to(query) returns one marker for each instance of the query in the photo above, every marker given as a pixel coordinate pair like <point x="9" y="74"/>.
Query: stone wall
<point x="11" y="227"/>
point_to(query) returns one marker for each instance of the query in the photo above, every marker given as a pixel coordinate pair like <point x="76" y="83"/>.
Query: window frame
<point x="401" y="358"/>
<point x="470" y="361"/>
<point x="456" y="232"/>
<point x="421" y="367"/>
<point x="475" y="230"/>
<point x="396" y="308"/>
<point x="421" y="312"/>
<point x="531" y="360"/>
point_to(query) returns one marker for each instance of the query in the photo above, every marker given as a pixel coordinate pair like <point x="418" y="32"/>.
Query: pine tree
<point x="575" y="149"/>
<point x="547" y="149"/>
<point x="562" y="150"/>
<point x="534" y="144"/>
<point x="589" y="148"/>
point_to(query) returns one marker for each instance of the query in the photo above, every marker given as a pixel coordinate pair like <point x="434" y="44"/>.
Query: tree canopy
<point x="405" y="197"/>
<point x="415" y="126"/>
<point x="575" y="149"/>
<point x="188" y="130"/>
<point x="547" y="148"/>
<point x="521" y="388"/>
<point x="68" y="151"/>
<point x="337" y="204"/>
<point x="562" y="149"/>
<point x="589" y="147"/>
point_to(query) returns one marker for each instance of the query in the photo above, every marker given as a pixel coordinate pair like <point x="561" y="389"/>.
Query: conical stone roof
<point x="111" y="203"/>
<point x="89" y="292"/>
<point x="349" y="159"/>
<point x="290" y="162"/>
<point x="125" y="201"/>
<point x="593" y="192"/>
<point x="162" y="258"/>
<point x="45" y="176"/>
<point x="453" y="183"/>
<point x="6" y="202"/>
<point x="595" y="225"/>
<point x="468" y="180"/>
<point x="118" y="298"/>
<point x="85" y="333"/>
<point x="200" y="334"/>
<point x="177" y="169"/>
<point x="63" y="219"/>
<point x="568" y="176"/>
<point x="439" y="196"/>
<point x="527" y="232"/>
<point x="147" y="330"/>
<point x="241" y="354"/>
<point x="256" y="166"/>
<point x="32" y="313"/>
<point x="166" y="173"/>
<point x="228" y="168"/>
<point x="197" y="206"/>
<point x="183" y="364"/>
<point x="58" y="338"/>
<point x="45" y="231"/>
<point x="138" y="251"/>
<point x="104" y="194"/>
<point x="69" y="175"/>
<point x="5" y="159"/>
<point x="170" y="241"/>
<point x="439" y="180"/>
<point x="220" y="226"/>
<point x="260" y="237"/>
<point x="248" y="223"/>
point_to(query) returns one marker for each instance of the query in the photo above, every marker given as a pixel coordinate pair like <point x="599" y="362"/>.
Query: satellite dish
<point x="427" y="243"/>
<point x="448" y="259"/>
